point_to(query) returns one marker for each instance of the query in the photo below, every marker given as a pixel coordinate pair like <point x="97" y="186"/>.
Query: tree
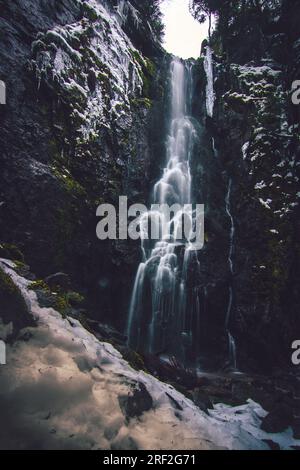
<point x="152" y="13"/>
<point x="203" y="9"/>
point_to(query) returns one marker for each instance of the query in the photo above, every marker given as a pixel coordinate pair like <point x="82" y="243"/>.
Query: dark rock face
<point x="75" y="133"/>
<point x="209" y="188"/>
<point x="255" y="128"/>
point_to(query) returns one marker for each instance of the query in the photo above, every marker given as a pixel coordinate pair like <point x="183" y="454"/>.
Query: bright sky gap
<point x="183" y="34"/>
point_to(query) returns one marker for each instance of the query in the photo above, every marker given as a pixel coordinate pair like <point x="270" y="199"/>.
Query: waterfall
<point x="231" y="341"/>
<point x="210" y="94"/>
<point x="159" y="320"/>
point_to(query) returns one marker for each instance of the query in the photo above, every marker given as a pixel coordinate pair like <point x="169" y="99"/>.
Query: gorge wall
<point x="76" y="131"/>
<point x="255" y="128"/>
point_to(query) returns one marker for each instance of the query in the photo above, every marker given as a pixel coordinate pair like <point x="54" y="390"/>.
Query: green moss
<point x="134" y="359"/>
<point x="150" y="67"/>
<point x="11" y="252"/>
<point x="74" y="298"/>
<point x="21" y="268"/>
<point x="89" y="12"/>
<point x="66" y="300"/>
<point x="137" y="58"/>
<point x="62" y="305"/>
<point x="69" y="183"/>
<point x="148" y="71"/>
<point x="39" y="285"/>
<point x="141" y="102"/>
<point x="19" y="264"/>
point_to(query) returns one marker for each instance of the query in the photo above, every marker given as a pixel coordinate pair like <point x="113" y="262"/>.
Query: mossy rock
<point x="74" y="298"/>
<point x="134" y="359"/>
<point x="11" y="252"/>
<point x="141" y="103"/>
<point x="13" y="307"/>
<point x="56" y="297"/>
<point x="23" y="270"/>
<point x="69" y="183"/>
<point x="66" y="301"/>
<point x="39" y="285"/>
<point x="62" y="305"/>
<point x="89" y="12"/>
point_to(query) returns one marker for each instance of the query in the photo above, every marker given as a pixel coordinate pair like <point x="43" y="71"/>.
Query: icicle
<point x="210" y="94"/>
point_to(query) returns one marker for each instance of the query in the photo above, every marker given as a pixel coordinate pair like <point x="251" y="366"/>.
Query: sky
<point x="183" y="34"/>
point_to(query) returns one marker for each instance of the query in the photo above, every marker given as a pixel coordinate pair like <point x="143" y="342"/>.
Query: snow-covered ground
<point x="62" y="388"/>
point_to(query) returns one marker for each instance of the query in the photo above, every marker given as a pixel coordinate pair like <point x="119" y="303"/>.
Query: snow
<point x="61" y="389"/>
<point x="263" y="86"/>
<point x="266" y="203"/>
<point x="58" y="36"/>
<point x="247" y="71"/>
<point x="107" y="52"/>
<point x="260" y="185"/>
<point x="245" y="149"/>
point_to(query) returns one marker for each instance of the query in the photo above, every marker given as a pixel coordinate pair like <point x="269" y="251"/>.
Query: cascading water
<point x="231" y="341"/>
<point x="159" y="320"/>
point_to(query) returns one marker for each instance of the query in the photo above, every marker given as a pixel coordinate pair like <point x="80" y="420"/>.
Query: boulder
<point x="136" y="402"/>
<point x="59" y="279"/>
<point x="279" y="419"/>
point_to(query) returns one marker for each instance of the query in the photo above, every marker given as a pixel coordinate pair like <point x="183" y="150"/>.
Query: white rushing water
<point x="210" y="94"/>
<point x="158" y="318"/>
<point x="231" y="341"/>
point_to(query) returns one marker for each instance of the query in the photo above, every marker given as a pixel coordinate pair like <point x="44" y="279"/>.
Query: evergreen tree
<point x="151" y="12"/>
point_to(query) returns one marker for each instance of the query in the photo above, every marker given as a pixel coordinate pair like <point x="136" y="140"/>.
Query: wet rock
<point x="273" y="445"/>
<point x="107" y="332"/>
<point x="137" y="402"/>
<point x="45" y="298"/>
<point x="202" y="400"/>
<point x="58" y="280"/>
<point x="278" y="420"/>
<point x="133" y="358"/>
